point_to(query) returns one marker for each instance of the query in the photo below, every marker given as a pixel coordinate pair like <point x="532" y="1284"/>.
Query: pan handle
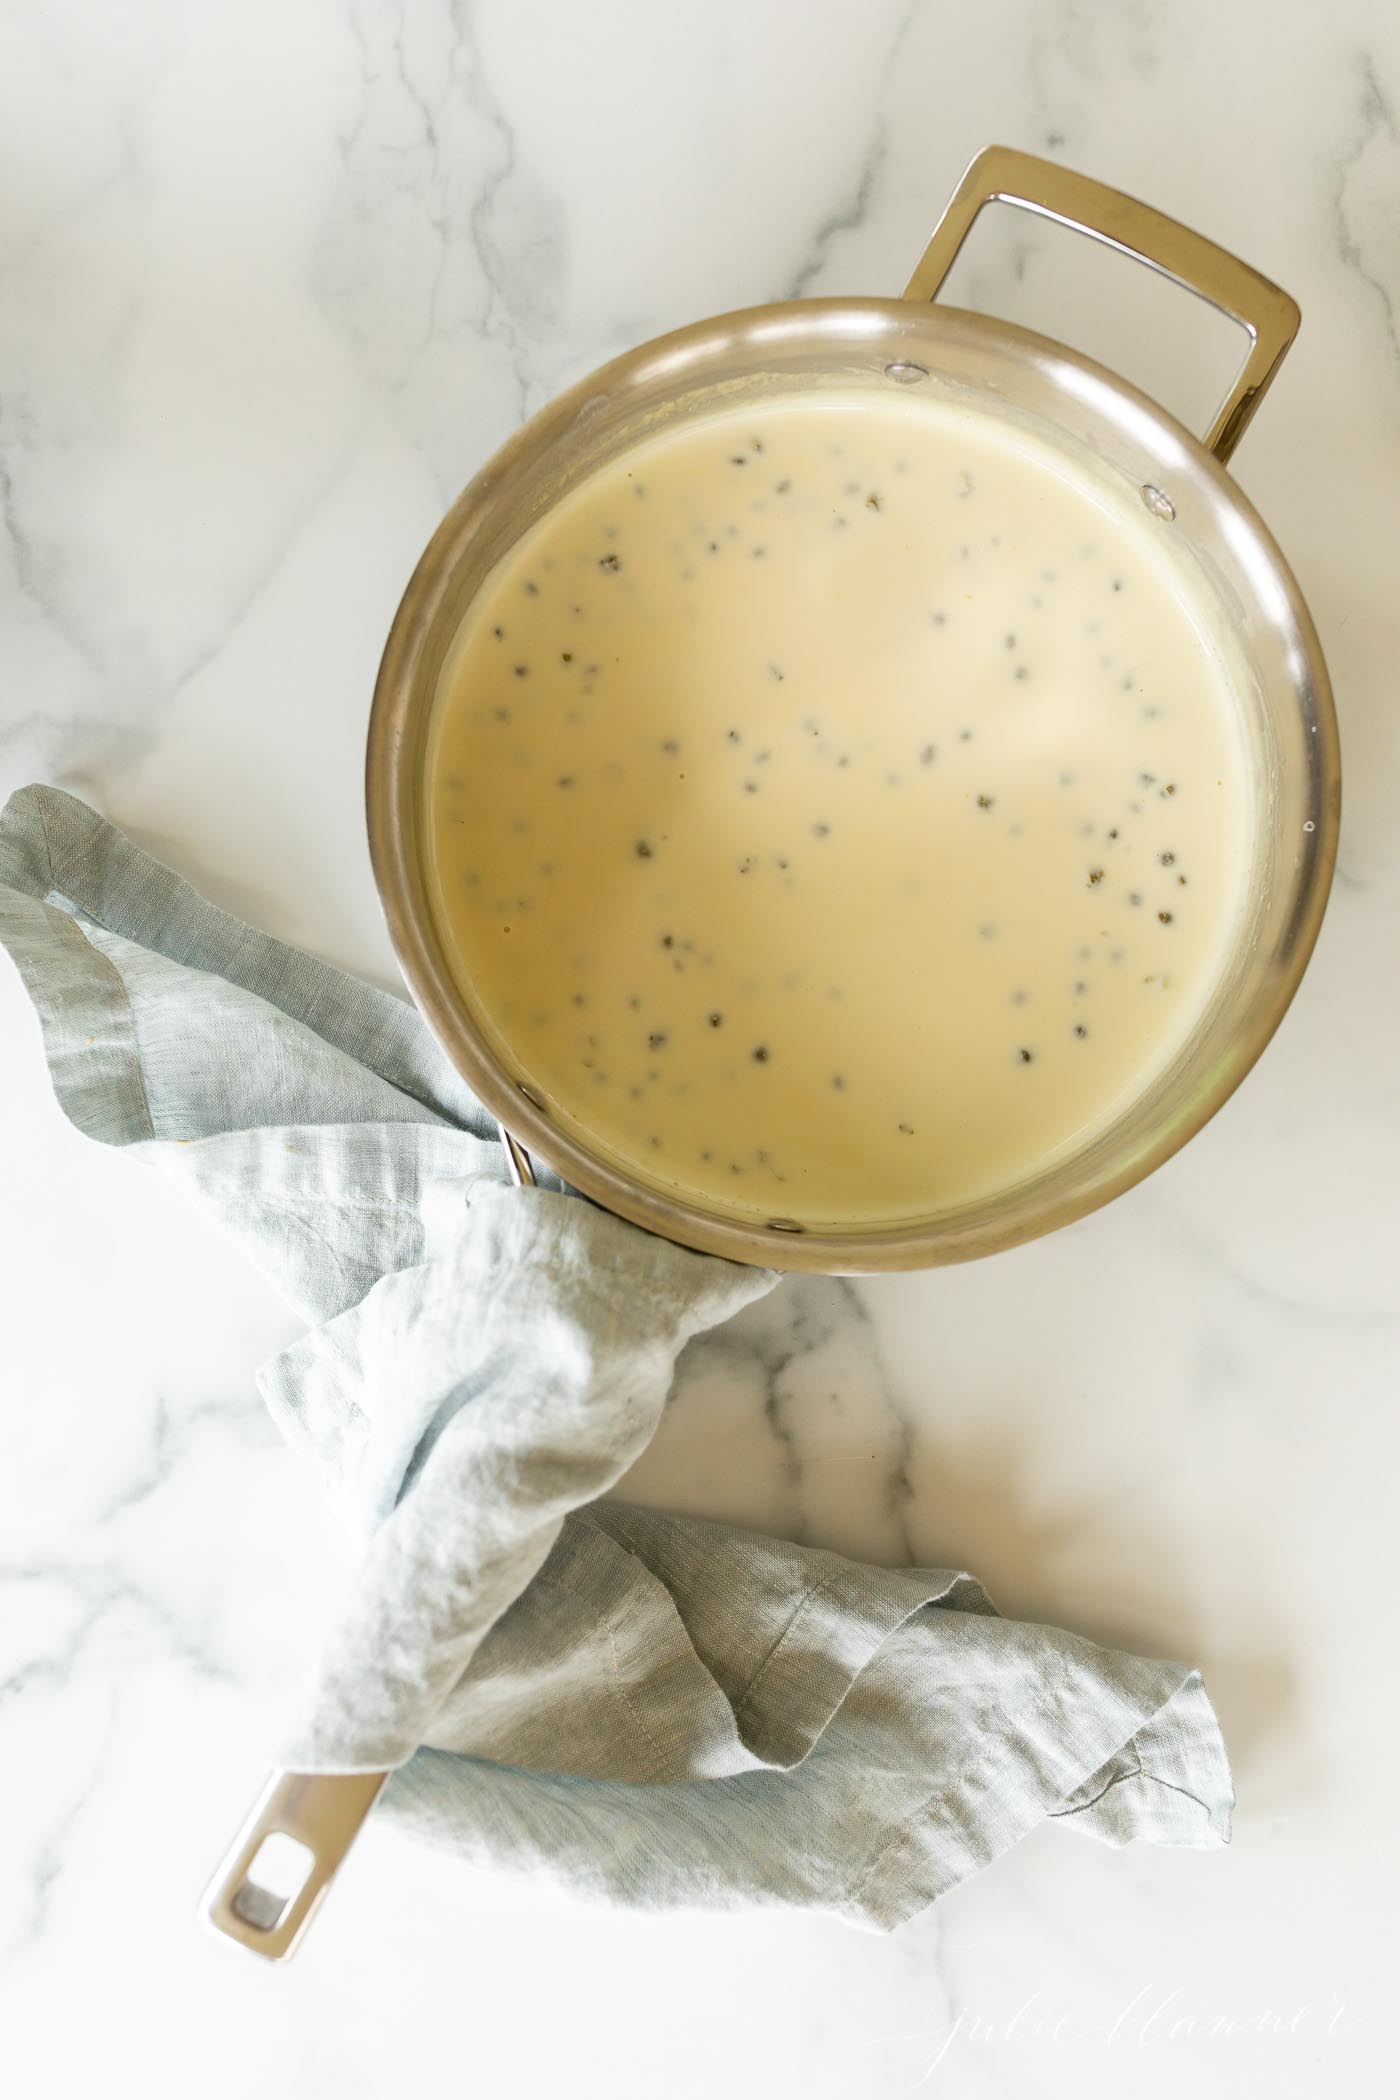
<point x="315" y="1817"/>
<point x="1001" y="175"/>
<point x="519" y="1165"/>
<point x="320" y="1813"/>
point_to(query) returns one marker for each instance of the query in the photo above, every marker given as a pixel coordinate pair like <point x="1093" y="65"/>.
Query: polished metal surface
<point x="518" y="1165"/>
<point x="1241" y="578"/>
<point x="999" y="175"/>
<point x="321" y="1814"/>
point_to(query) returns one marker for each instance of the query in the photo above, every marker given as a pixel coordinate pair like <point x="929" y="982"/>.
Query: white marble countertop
<point x="273" y="281"/>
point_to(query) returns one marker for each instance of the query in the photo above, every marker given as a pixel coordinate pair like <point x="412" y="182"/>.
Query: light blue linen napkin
<point x="644" y="1709"/>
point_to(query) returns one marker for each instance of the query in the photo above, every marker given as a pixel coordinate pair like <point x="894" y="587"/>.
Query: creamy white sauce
<point x="838" y="810"/>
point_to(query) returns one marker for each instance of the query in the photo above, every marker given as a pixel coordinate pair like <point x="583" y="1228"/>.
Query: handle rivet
<point x="905" y="373"/>
<point x="1159" y="503"/>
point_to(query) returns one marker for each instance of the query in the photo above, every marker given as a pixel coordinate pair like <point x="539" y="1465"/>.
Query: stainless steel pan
<point x="872" y="343"/>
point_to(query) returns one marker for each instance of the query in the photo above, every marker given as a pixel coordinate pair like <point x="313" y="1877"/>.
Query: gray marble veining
<point x="273" y="283"/>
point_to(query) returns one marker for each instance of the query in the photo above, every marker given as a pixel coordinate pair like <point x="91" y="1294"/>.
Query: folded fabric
<point x="641" y="1708"/>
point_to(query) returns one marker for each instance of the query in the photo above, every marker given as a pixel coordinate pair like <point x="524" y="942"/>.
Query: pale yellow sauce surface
<point x="838" y="810"/>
